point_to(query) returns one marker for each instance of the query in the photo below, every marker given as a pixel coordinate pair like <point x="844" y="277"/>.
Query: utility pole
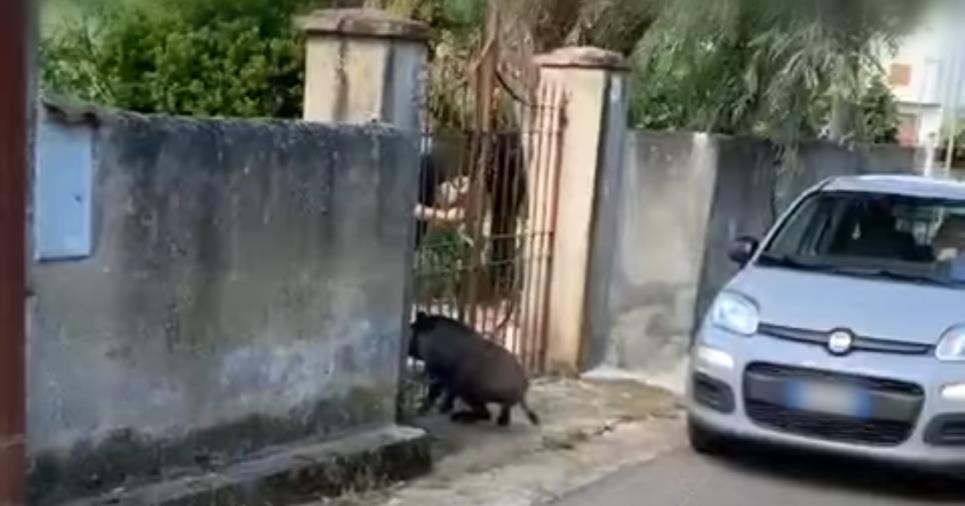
<point x="954" y="43"/>
<point x="951" y="109"/>
<point x="14" y="95"/>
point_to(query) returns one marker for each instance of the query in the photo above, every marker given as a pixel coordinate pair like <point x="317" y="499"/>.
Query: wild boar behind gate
<point x="462" y="364"/>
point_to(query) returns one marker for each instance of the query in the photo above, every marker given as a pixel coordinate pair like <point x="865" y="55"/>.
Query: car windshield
<point x="900" y="238"/>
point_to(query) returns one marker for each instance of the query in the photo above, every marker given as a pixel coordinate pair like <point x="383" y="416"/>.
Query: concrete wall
<point x="244" y="289"/>
<point x="684" y="198"/>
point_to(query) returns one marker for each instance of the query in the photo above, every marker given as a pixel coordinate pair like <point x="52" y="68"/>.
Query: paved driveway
<point x="765" y="477"/>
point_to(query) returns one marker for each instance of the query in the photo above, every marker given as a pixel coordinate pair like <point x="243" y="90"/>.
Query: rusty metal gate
<point x="487" y="207"/>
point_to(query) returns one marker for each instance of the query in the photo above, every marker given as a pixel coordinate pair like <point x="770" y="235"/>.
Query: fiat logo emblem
<point x="840" y="342"/>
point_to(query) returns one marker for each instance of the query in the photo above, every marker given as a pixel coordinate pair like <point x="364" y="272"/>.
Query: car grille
<point x="874" y="432"/>
<point x="861" y="343"/>
<point x="832" y="428"/>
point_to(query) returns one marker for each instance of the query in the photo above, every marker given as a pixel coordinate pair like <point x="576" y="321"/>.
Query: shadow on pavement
<point x="847" y="473"/>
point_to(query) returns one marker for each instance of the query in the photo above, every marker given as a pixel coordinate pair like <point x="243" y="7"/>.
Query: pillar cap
<point x="587" y="57"/>
<point x="363" y="23"/>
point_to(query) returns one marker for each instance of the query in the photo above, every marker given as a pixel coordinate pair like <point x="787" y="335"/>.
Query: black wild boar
<point x="462" y="364"/>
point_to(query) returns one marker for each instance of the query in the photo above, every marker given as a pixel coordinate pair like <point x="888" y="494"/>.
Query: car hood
<point x="881" y="309"/>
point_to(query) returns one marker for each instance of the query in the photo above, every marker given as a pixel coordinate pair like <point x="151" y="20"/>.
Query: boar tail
<point x="533" y="417"/>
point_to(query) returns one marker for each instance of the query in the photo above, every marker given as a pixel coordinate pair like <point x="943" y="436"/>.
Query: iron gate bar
<point x="542" y="220"/>
<point x="487" y="215"/>
<point x="491" y="268"/>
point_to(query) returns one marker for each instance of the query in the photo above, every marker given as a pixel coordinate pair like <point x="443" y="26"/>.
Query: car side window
<point x="794" y="237"/>
<point x="814" y="228"/>
<point x="843" y="229"/>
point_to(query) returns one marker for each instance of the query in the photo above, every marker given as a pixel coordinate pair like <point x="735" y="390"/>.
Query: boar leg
<point x="477" y="412"/>
<point x="435" y="390"/>
<point x="448" y="402"/>
<point x="505" y="415"/>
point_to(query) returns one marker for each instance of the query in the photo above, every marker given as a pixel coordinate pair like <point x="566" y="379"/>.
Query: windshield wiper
<point x="896" y="275"/>
<point x="776" y="259"/>
<point x="789" y="261"/>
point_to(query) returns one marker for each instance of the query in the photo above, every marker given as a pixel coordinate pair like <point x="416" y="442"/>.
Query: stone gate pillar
<point x="364" y="65"/>
<point x="595" y="82"/>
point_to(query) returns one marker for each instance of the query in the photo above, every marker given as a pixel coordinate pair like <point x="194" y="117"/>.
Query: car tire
<point x="703" y="440"/>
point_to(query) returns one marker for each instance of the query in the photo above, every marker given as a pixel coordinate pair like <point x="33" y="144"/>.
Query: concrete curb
<point x="597" y="474"/>
<point x="294" y="474"/>
<point x="539" y="478"/>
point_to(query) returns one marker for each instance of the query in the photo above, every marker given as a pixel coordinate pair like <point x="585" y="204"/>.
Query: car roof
<point x="909" y="186"/>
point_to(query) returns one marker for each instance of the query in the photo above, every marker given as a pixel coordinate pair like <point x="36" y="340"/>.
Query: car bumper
<point x="721" y="360"/>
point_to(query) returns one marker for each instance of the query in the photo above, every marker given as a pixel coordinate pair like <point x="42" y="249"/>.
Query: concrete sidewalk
<point x="590" y="429"/>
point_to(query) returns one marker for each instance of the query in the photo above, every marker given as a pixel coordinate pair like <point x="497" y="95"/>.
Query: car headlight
<point x="952" y="346"/>
<point x="735" y="313"/>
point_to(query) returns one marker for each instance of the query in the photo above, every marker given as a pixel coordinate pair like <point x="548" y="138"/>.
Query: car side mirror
<point x="743" y="249"/>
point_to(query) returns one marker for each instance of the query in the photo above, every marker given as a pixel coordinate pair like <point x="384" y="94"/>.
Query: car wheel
<point x="702" y="439"/>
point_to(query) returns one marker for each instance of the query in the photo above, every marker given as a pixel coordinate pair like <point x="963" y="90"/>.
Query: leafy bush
<point x="191" y="57"/>
<point x="443" y="260"/>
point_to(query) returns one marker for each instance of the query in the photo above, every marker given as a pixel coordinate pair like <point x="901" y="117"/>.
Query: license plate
<point x="828" y="399"/>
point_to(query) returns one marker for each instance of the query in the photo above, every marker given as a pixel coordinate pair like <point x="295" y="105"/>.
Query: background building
<point x="926" y="75"/>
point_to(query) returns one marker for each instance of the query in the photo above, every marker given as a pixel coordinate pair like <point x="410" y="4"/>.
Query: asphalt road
<point x="763" y="477"/>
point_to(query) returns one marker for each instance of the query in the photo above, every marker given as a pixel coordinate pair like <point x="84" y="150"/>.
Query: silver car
<point x="845" y="329"/>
